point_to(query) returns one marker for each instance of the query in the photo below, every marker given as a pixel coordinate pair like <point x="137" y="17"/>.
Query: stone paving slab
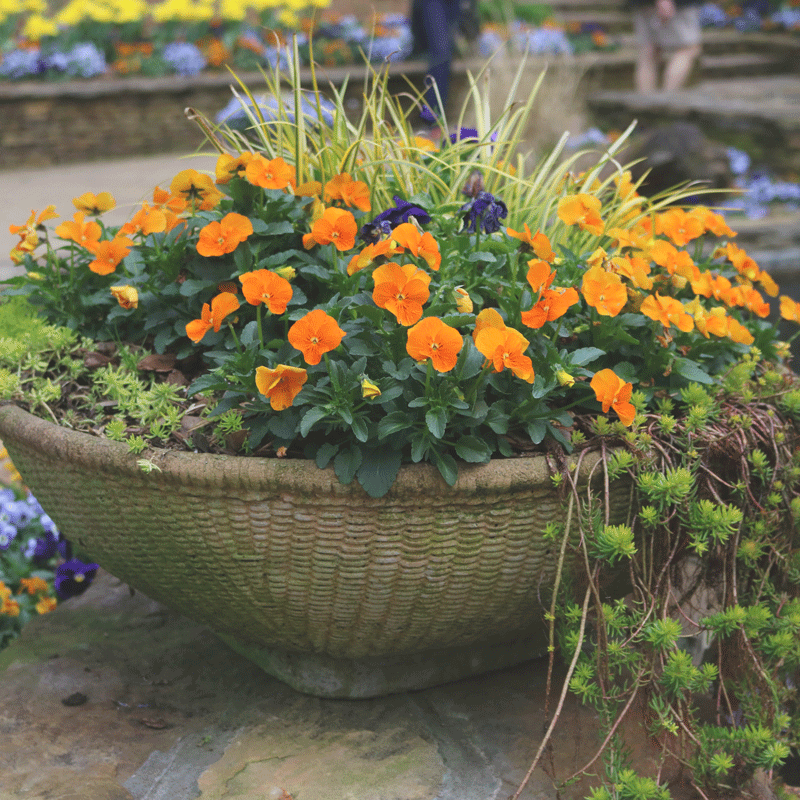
<point x="157" y="708"/>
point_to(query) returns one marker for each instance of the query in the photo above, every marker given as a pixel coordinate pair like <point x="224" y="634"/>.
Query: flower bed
<point x="83" y="40"/>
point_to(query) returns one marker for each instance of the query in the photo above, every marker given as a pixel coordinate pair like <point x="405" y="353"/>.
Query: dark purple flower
<point x="388" y="220"/>
<point x="42" y="548"/>
<point x="426" y="115"/>
<point x="73" y="578"/>
<point x="464" y="135"/>
<point x="484" y="212"/>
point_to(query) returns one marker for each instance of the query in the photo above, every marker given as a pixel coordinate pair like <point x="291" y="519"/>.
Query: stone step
<point x="758" y="114"/>
<point x="743" y="65"/>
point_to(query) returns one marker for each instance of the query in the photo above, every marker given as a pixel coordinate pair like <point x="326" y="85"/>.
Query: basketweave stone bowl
<point x="334" y="592"/>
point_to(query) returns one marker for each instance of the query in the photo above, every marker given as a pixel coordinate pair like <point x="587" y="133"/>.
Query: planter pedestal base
<point x="354" y="679"/>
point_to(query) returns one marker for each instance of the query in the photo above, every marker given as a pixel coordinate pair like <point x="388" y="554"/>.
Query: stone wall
<point x="45" y="124"/>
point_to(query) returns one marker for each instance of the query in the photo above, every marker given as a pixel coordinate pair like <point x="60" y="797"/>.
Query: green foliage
<point x="743" y="525"/>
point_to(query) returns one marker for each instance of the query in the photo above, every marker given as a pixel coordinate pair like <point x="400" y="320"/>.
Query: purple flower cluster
<point x="483" y="212"/>
<point x="84" y="60"/>
<point x="28" y="534"/>
<point x="184" y="58"/>
<point x="388" y="220"/>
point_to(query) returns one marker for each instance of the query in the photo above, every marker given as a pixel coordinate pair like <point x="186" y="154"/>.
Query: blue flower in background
<point x="73" y="577"/>
<point x="21" y="64"/>
<point x="184" y="58"/>
<point x="235" y="115"/>
<point x="7" y="534"/>
<point x="85" y="61"/>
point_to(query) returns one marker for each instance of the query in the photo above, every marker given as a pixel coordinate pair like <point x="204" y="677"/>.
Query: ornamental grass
<point x="348" y="292"/>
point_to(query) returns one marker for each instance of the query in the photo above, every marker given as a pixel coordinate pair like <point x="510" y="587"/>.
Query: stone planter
<point x="332" y="591"/>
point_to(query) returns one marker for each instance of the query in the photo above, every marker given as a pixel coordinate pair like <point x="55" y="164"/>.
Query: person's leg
<point x="646" y="70"/>
<point x="645" y="75"/>
<point x="438" y="17"/>
<point x="679" y="67"/>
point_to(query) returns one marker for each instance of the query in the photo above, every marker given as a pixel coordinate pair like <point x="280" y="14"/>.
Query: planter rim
<point x="244" y="473"/>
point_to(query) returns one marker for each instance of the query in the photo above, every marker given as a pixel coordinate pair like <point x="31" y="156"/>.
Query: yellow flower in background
<point x="36" y="27"/>
<point x="46" y="605"/>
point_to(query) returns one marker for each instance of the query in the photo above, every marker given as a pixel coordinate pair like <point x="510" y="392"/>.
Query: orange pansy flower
<point x="146" y="220"/>
<point x="224" y="236"/>
<point x="79" y="231"/>
<point x="539" y="243"/>
<point x="742" y="262"/>
<point x="488" y="318"/>
<point x="790" y="309"/>
<point x="336" y="226"/>
<point x="172" y="203"/>
<point x="505" y="349"/>
<point x="553" y="303"/>
<point x="433" y="339"/>
<point x="407" y="235"/>
<point x="94" y="204"/>
<point x="738" y="333"/>
<point x="712" y="222"/>
<point x="707" y="321"/>
<point x="314" y="334"/>
<point x="604" y="291"/>
<point x="229" y="166"/>
<point x="668" y="311"/>
<point x="679" y="226"/>
<point x="33" y="585"/>
<point x="126" y="296"/>
<point x="639" y="237"/>
<point x="353" y="193"/>
<point x="676" y="262"/>
<point x="269" y="174"/>
<point x="197" y="189"/>
<point x="401" y="290"/>
<point x="634" y="268"/>
<point x="281" y="385"/>
<point x="372" y="251"/>
<point x="612" y="392"/>
<point x="539" y="276"/>
<point x="46" y="605"/>
<point x="33" y="222"/>
<point x="211" y="317"/>
<point x="108" y="254"/>
<point x="264" y="286"/>
<point x="582" y="210"/>
<point x="753" y="301"/>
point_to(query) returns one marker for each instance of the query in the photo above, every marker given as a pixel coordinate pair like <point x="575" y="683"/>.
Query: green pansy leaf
<point x="436" y="422"/>
<point x="447" y="466"/>
<point x="392" y="423"/>
<point x="325" y="453"/>
<point x="691" y="370"/>
<point x="585" y="355"/>
<point x="346" y="464"/>
<point x="378" y="471"/>
<point x="360" y="429"/>
<point x="311" y="418"/>
<point x="536" y="430"/>
<point x="473" y="450"/>
<point x="284" y="424"/>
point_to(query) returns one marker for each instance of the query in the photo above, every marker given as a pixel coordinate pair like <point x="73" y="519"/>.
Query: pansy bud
<point x="127" y="296"/>
<point x="678" y="281"/>
<point x="369" y="390"/>
<point x="287" y="273"/>
<point x="463" y="300"/>
<point x="564" y="378"/>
